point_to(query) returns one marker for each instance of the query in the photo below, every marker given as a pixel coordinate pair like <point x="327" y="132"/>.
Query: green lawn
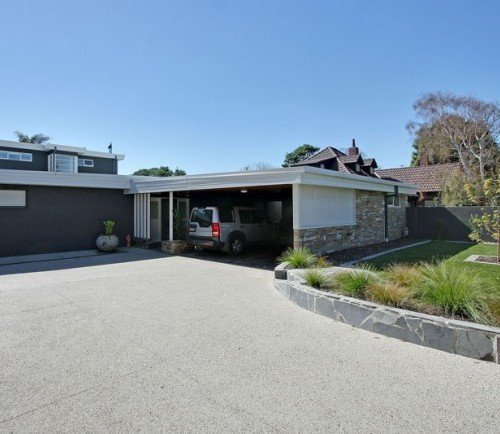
<point x="437" y="251"/>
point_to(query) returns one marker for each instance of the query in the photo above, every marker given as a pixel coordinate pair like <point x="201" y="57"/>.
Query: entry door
<point x="155" y="213"/>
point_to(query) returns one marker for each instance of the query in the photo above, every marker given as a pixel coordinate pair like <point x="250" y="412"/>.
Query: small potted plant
<point x="109" y="241"/>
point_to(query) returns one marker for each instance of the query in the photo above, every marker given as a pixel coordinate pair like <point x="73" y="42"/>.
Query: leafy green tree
<point x="38" y="139"/>
<point x="430" y="146"/>
<point x="159" y="171"/>
<point x="298" y="154"/>
<point x="488" y="224"/>
<point x="454" y="193"/>
<point x="463" y="127"/>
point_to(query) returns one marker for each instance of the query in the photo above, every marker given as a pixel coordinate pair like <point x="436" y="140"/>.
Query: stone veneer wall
<point x="396" y="221"/>
<point x="369" y="227"/>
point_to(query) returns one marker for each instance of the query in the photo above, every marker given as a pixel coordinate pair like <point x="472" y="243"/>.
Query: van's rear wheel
<point x="236" y="245"/>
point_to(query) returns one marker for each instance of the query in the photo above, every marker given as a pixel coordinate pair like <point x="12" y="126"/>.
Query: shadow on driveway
<point x="68" y="260"/>
<point x="259" y="258"/>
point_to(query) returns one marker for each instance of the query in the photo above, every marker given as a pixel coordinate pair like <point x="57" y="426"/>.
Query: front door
<point x="155" y="219"/>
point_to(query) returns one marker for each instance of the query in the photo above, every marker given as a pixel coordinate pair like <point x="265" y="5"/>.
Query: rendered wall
<point x="60" y="219"/>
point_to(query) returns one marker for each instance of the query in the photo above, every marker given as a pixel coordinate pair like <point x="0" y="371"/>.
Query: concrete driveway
<point x="181" y="344"/>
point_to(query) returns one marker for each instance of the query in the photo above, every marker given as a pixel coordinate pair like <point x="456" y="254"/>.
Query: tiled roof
<point x="349" y="158"/>
<point x="369" y="162"/>
<point x="325" y="154"/>
<point x="344" y="161"/>
<point x="428" y="178"/>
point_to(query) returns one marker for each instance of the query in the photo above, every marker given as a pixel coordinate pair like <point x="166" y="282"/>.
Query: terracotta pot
<point x="107" y="243"/>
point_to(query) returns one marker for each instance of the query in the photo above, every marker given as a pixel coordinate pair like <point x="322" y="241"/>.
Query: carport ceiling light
<point x="244" y="190"/>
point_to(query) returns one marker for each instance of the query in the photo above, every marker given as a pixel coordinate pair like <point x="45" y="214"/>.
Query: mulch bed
<point x="488" y="259"/>
<point x="356" y="253"/>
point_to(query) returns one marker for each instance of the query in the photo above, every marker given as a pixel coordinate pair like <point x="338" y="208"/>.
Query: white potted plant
<point x="109" y="241"/>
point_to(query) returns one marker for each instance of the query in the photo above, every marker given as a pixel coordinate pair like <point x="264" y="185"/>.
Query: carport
<point x="307" y="204"/>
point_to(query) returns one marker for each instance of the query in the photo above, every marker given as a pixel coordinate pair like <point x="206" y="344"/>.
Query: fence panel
<point x="447" y="223"/>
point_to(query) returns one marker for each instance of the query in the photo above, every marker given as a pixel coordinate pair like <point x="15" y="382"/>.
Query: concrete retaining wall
<point x="458" y="337"/>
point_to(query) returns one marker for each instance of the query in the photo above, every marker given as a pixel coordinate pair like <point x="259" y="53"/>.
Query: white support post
<point x="296" y="206"/>
<point x="171" y="216"/>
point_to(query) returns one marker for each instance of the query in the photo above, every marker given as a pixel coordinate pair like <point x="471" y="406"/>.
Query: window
<point x="371" y="170"/>
<point x="393" y="200"/>
<point x="85" y="162"/>
<point x="397" y="200"/>
<point x="12" y="198"/>
<point x="16" y="156"/>
<point x="202" y="216"/>
<point x="62" y="163"/>
<point x="226" y="215"/>
<point x="245" y="216"/>
<point x="358" y="168"/>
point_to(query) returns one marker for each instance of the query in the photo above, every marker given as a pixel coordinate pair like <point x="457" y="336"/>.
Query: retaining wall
<point x="453" y="336"/>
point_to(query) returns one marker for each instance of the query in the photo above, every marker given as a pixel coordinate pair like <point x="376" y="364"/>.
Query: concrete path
<point x="181" y="344"/>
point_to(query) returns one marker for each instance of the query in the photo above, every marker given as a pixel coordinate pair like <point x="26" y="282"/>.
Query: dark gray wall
<point x="101" y="165"/>
<point x="60" y="219"/>
<point x="39" y="162"/>
<point x="447" y="223"/>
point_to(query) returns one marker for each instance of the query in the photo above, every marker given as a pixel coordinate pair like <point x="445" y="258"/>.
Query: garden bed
<point x="483" y="259"/>
<point x="449" y="288"/>
<point x="357" y="253"/>
<point x="454" y="336"/>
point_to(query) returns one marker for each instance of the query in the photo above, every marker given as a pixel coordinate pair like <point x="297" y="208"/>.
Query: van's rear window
<point x="203" y="217"/>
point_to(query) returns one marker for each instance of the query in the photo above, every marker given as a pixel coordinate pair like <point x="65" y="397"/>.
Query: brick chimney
<point x="353" y="150"/>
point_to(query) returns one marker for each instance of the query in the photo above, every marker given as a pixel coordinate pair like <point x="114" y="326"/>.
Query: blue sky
<point x="214" y="85"/>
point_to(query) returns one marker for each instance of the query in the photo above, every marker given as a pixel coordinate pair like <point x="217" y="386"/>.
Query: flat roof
<point x="305" y="175"/>
<point x="52" y="146"/>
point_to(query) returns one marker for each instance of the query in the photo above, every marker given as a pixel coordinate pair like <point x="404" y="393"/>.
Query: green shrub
<point x="403" y="275"/>
<point x="354" y="282"/>
<point x="458" y="291"/>
<point x="109" y="227"/>
<point x="300" y="257"/>
<point x="389" y="293"/>
<point x="315" y="278"/>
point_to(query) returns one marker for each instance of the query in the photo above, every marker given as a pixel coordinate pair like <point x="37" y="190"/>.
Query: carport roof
<point x="306" y="175"/>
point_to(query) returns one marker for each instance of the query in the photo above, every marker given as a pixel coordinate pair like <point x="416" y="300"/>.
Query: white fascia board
<point x="59" y="179"/>
<point x="330" y="178"/>
<point x="103" y="155"/>
<point x="50" y="147"/>
<point x="283" y="176"/>
<point x="145" y="184"/>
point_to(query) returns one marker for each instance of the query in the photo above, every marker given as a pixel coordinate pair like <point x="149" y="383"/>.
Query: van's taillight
<point x="216" y="230"/>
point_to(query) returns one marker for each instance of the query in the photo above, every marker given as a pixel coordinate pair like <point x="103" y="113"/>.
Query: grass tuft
<point x="403" y="275"/>
<point x="389" y="293"/>
<point x="458" y="291"/>
<point x="355" y="282"/>
<point x="300" y="257"/>
<point x="315" y="278"/>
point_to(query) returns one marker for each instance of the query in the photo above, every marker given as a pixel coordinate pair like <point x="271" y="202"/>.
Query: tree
<point x="469" y="127"/>
<point x="454" y="193"/>
<point x="257" y="166"/>
<point x="298" y="154"/>
<point x="38" y="139"/>
<point x="159" y="171"/>
<point x="430" y="146"/>
<point x="488" y="224"/>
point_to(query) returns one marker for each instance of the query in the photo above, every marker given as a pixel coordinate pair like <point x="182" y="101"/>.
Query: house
<point x="53" y="198"/>
<point x="429" y="179"/>
<point x="333" y="159"/>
